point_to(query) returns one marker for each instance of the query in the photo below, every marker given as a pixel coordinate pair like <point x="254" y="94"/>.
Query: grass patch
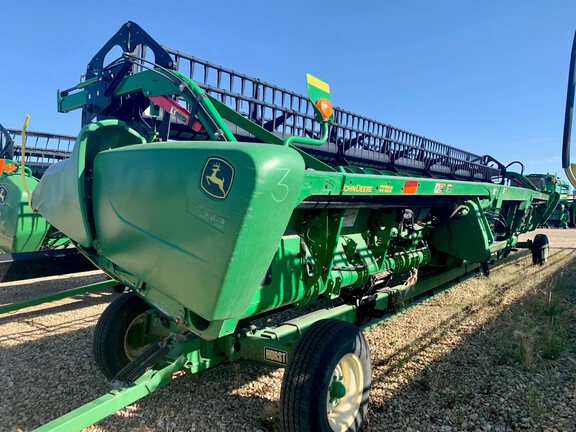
<point x="541" y="329"/>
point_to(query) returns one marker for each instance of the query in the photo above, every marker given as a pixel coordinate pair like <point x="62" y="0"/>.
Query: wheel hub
<point x="344" y="395"/>
<point x="337" y="389"/>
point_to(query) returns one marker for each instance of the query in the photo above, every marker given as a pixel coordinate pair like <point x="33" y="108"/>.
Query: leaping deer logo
<point x="218" y="183"/>
<point x="213" y="178"/>
<point x="3" y="195"/>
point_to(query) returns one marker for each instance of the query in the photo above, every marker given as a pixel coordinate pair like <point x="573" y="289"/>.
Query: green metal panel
<point x="61" y="196"/>
<point x="212" y="251"/>
<point x="465" y="235"/>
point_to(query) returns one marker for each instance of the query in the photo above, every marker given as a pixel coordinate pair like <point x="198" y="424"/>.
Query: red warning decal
<point x="410" y="187"/>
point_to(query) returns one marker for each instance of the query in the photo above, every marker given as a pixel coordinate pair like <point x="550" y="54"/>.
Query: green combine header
<point x="218" y="199"/>
<point x="21" y="230"/>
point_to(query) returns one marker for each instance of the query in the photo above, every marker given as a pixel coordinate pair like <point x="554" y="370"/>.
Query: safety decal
<point x="410" y="187"/>
<point x="217" y="177"/>
<point x="350" y="216"/>
<point x="439" y="188"/>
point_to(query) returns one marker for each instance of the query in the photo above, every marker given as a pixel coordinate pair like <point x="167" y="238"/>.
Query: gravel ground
<point x="467" y="360"/>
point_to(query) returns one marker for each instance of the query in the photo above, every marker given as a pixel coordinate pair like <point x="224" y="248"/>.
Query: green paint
<point x="21" y="229"/>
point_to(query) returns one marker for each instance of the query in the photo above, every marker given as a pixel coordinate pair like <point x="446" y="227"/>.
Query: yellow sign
<point x="385" y="188"/>
<point x="318" y="83"/>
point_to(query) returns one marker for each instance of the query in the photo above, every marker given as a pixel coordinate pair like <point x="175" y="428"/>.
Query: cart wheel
<point x="120" y="334"/>
<point x="485" y="269"/>
<point x="327" y="383"/>
<point x="540" y="249"/>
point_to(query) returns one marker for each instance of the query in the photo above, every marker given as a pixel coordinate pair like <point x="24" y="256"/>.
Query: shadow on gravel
<point x="12" y="293"/>
<point x="46" y="378"/>
<point x="80" y="301"/>
<point x="502" y="376"/>
<point x="461" y="391"/>
<point x="517" y="275"/>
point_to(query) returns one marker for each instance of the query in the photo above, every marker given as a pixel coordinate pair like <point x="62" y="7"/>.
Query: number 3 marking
<point x="283" y="190"/>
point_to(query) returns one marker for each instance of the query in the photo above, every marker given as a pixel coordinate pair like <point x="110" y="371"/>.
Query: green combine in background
<point x="564" y="215"/>
<point x="220" y="199"/>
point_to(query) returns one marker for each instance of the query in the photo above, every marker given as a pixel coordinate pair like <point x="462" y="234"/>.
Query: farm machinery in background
<point x="21" y="230"/>
<point x="29" y="245"/>
<point x="220" y="199"/>
<point x="569" y="168"/>
<point x="564" y="215"/>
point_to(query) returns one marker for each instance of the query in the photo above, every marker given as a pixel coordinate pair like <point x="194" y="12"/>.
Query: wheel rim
<point x="344" y="395"/>
<point x="135" y="339"/>
<point x="545" y="253"/>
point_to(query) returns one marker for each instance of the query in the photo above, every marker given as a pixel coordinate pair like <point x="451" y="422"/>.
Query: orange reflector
<point x="554" y="180"/>
<point x="410" y="187"/>
<point x="325" y="108"/>
<point x="2" y="162"/>
<point x="10" y="168"/>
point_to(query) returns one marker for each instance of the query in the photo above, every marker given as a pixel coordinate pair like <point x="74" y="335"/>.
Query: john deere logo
<point x="217" y="177"/>
<point x="3" y="195"/>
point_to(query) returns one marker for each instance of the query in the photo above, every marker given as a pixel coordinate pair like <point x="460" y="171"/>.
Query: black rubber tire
<point x="486" y="269"/>
<point x="309" y="374"/>
<point x="109" y="341"/>
<point x="540" y="249"/>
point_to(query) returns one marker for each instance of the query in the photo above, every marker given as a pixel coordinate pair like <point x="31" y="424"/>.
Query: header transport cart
<point x="219" y="199"/>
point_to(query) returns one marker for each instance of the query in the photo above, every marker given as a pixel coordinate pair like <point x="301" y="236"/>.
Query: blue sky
<point x="486" y="76"/>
